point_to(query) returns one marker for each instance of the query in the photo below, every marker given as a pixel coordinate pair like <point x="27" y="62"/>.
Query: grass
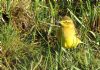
<point x="28" y="39"/>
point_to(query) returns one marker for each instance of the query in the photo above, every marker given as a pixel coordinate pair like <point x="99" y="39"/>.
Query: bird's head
<point x="65" y="22"/>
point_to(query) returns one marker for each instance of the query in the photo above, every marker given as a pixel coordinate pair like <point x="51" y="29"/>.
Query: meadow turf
<point x="28" y="35"/>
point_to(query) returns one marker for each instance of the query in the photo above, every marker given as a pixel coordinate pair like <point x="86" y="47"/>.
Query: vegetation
<point x="28" y="35"/>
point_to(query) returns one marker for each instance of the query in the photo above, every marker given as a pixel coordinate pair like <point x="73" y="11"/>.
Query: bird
<point x="68" y="33"/>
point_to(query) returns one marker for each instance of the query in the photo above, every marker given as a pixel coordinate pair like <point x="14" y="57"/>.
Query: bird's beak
<point x="58" y="23"/>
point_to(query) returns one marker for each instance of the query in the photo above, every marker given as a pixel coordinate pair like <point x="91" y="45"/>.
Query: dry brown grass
<point x="21" y="15"/>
